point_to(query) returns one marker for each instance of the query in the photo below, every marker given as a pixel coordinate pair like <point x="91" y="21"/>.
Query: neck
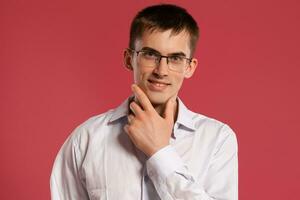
<point x="160" y="108"/>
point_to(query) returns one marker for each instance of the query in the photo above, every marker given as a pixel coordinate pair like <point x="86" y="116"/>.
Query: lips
<point x="158" y="82"/>
<point x="157" y="85"/>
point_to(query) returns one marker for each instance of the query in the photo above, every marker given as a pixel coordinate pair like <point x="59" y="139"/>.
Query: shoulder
<point x="211" y="123"/>
<point x="91" y="125"/>
<point x="214" y="129"/>
<point x="82" y="135"/>
<point x="201" y="123"/>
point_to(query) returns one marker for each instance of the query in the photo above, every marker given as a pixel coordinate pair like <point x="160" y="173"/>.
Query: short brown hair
<point x="164" y="17"/>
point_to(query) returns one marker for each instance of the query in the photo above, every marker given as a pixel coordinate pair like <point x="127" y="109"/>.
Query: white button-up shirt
<point x="99" y="161"/>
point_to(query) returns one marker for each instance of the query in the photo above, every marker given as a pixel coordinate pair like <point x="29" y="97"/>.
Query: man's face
<point x="160" y="83"/>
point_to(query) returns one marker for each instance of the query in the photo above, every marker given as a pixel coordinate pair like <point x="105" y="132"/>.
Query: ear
<point x="127" y="59"/>
<point x="191" y="68"/>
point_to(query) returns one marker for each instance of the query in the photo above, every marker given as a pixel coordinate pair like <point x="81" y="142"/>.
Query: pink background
<point x="61" y="63"/>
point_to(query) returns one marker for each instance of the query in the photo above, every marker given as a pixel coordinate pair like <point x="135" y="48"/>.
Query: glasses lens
<point x="177" y="63"/>
<point x="151" y="59"/>
<point x="148" y="58"/>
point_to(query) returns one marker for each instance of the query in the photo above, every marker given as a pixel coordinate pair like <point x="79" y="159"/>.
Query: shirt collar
<point x="185" y="116"/>
<point x="121" y="111"/>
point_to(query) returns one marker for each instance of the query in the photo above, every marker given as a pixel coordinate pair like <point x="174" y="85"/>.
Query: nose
<point x="162" y="68"/>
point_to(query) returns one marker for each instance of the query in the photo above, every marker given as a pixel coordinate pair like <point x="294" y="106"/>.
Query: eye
<point x="149" y="55"/>
<point x="176" y="58"/>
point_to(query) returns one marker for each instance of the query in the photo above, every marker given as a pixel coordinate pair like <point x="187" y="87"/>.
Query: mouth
<point x="157" y="85"/>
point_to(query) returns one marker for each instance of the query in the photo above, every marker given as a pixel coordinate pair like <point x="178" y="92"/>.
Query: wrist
<point x="155" y="150"/>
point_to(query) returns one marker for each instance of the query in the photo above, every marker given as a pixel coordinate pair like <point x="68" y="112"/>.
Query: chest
<point x="113" y="167"/>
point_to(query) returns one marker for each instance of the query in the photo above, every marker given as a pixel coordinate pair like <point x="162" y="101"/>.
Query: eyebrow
<point x="180" y="53"/>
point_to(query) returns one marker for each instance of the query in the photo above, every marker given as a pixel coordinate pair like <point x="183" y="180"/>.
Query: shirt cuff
<point x="163" y="163"/>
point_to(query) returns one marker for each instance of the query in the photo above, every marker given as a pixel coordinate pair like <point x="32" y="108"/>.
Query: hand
<point x="146" y="128"/>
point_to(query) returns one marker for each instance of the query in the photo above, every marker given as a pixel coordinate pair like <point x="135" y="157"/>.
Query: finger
<point x="129" y="133"/>
<point x="170" y="110"/>
<point x="135" y="108"/>
<point x="130" y="119"/>
<point x="126" y="128"/>
<point x="142" y="97"/>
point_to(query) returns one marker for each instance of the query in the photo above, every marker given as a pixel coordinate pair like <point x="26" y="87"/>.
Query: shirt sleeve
<point x="172" y="179"/>
<point x="65" y="181"/>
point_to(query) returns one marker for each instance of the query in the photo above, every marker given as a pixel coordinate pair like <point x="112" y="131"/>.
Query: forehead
<point x="165" y="41"/>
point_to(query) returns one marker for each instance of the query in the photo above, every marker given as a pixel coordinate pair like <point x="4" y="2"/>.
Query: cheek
<point x="140" y="75"/>
<point x="178" y="82"/>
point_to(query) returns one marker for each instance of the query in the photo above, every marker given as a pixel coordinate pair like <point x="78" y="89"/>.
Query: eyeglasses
<point x="152" y="58"/>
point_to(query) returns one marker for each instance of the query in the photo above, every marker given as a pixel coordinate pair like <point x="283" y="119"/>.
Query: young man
<point x="151" y="146"/>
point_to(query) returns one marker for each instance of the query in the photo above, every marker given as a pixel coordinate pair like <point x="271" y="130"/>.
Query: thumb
<point x="170" y="110"/>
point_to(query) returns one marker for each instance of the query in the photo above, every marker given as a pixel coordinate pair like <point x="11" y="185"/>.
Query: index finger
<point x="142" y="97"/>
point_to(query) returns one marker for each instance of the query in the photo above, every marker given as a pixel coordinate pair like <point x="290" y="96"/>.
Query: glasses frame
<point x="160" y="57"/>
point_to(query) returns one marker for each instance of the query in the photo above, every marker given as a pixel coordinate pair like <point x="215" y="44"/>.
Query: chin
<point x="157" y="99"/>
